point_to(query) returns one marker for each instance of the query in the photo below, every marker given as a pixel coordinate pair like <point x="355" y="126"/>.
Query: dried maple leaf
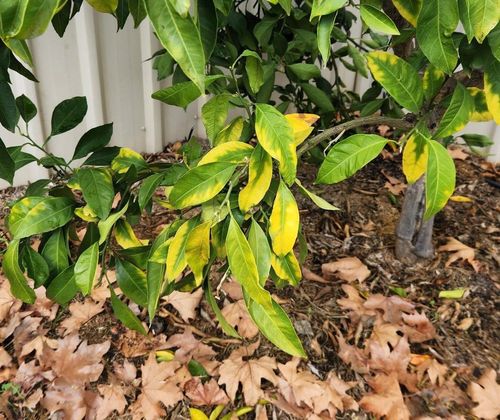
<point x="8" y="303"/>
<point x="349" y="269"/>
<point x="418" y="328"/>
<point x="75" y="362"/>
<point x="113" y="399"/>
<point x="486" y="392"/>
<point x="435" y="370"/>
<point x="249" y="373"/>
<point x="185" y="303"/>
<point x="384" y="333"/>
<point x="81" y="312"/>
<point x="392" y="307"/>
<point x="460" y="252"/>
<point x="208" y="393"/>
<point x="355" y="303"/>
<point x="159" y="386"/>
<point x="27" y="331"/>
<point x="126" y="372"/>
<point x="387" y="399"/>
<point x="5" y="358"/>
<point x="457" y="153"/>
<point x="43" y="306"/>
<point x="233" y="289"/>
<point x="352" y="355"/>
<point x="236" y="314"/>
<point x="134" y="344"/>
<point x="74" y="402"/>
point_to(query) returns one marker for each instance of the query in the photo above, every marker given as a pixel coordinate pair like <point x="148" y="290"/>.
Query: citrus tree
<point x="269" y="107"/>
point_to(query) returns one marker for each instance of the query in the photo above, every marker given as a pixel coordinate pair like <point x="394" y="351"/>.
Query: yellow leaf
<point x="198" y="250"/>
<point x="197" y="414"/>
<point x="492" y="90"/>
<point x="415" y="155"/>
<point x="232" y="132"/>
<point x="409" y="9"/>
<point x="86" y="213"/>
<point x="301" y="125"/>
<point x="231" y="152"/>
<point x="481" y="112"/>
<point x="125" y="236"/>
<point x="125" y="159"/>
<point x="460" y="199"/>
<point x="176" y="257"/>
<point x="287" y="268"/>
<point x="284" y="221"/>
<point x="260" y="172"/>
<point x="165" y="355"/>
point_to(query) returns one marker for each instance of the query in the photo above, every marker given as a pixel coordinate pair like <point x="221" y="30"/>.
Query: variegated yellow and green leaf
<point x="105" y="226"/>
<point x="409" y="9"/>
<point x="261" y="250"/>
<point x="200" y="184"/>
<point x="260" y="171"/>
<point x="415" y="156"/>
<point x="432" y="81"/>
<point x="127" y="158"/>
<point x="231" y="152"/>
<point x="492" y="89"/>
<point x="436" y="23"/>
<point x="398" y="78"/>
<point x="214" y="114"/>
<point x="287" y="268"/>
<point x="481" y="112"/>
<point x="350" y="155"/>
<point x="176" y="257"/>
<point x="301" y="125"/>
<point x="231" y="132"/>
<point x="243" y="266"/>
<point x="458" y="113"/>
<point x="219" y="232"/>
<point x="284" y="221"/>
<point x="125" y="235"/>
<point x="275" y="135"/>
<point x="479" y="17"/>
<point x="86" y="213"/>
<point x="439" y="178"/>
<point x="198" y="250"/>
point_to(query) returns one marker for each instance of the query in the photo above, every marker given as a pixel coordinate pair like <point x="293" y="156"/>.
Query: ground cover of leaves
<point x="380" y="339"/>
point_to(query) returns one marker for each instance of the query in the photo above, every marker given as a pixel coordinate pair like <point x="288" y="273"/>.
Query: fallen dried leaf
<point x="486" y="392"/>
<point x="236" y="314"/>
<point x="460" y="252"/>
<point x="185" y="303"/>
<point x="81" y="312"/>
<point x="209" y="393"/>
<point x="349" y="269"/>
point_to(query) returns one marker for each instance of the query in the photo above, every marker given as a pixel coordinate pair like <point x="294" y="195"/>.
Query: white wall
<point x="109" y="68"/>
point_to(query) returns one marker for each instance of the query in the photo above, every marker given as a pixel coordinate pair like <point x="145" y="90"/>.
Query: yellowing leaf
<point x="481" y="112"/>
<point x="176" y="257"/>
<point x="198" y="250"/>
<point x="125" y="235"/>
<point x="457" y="114"/>
<point x="284" y="221"/>
<point x="409" y="9"/>
<point x="260" y="171"/>
<point x="301" y="125"/>
<point x="432" y="81"/>
<point x="231" y="152"/>
<point x="415" y="155"/>
<point x="275" y="135"/>
<point x="86" y="213"/>
<point x="460" y="199"/>
<point x="452" y="294"/>
<point x="231" y="132"/>
<point x="492" y="89"/>
<point x="127" y="158"/>
<point x="287" y="268"/>
<point x="197" y="414"/>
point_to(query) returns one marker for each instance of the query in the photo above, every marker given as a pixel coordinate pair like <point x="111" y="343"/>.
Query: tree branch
<point x="348" y="125"/>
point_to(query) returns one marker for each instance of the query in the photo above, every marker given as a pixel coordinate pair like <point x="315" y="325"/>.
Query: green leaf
<point x="457" y="114"/>
<point x="104" y="6"/>
<point x="479" y="17"/>
<point x="181" y="6"/>
<point x="214" y="114"/>
<point x="439" y="178"/>
<point x="224" y="6"/>
<point x="26" y="18"/>
<point x="102" y="157"/>
<point x="318" y="97"/>
<point x="324" y="34"/>
<point x="261" y="251"/>
<point x="105" y="226"/>
<point x="477" y="140"/>
<point x="304" y="71"/>
<point x="207" y="24"/>
<point x="63" y="288"/>
<point x="435" y="25"/>
<point x="26" y="108"/>
<point x="55" y="252"/>
<point x="255" y="73"/>
<point x="398" y="78"/>
<point x="132" y="282"/>
<point x="263" y="30"/>
<point x="9" y="114"/>
<point x="8" y="166"/>
<point x="325" y="7"/>
<point x="358" y="59"/>
<point x="125" y="314"/>
<point x="226" y="327"/>
<point x="97" y="189"/>
<point x="377" y="20"/>
<point x="68" y="114"/>
<point x="86" y="268"/>
<point x="94" y="139"/>
<point x="10" y="265"/>
<point x="276" y="326"/>
<point x="182" y="94"/>
<point x="492" y="89"/>
<point x="138" y="11"/>
<point x="243" y="266"/>
<point x="36" y="266"/>
<point x="316" y="199"/>
<point x="275" y="135"/>
<point x="19" y="157"/>
<point x="200" y="184"/>
<point x="34" y="215"/>
<point x="180" y="37"/>
<point x="349" y="156"/>
<point x="494" y="41"/>
<point x="148" y="188"/>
